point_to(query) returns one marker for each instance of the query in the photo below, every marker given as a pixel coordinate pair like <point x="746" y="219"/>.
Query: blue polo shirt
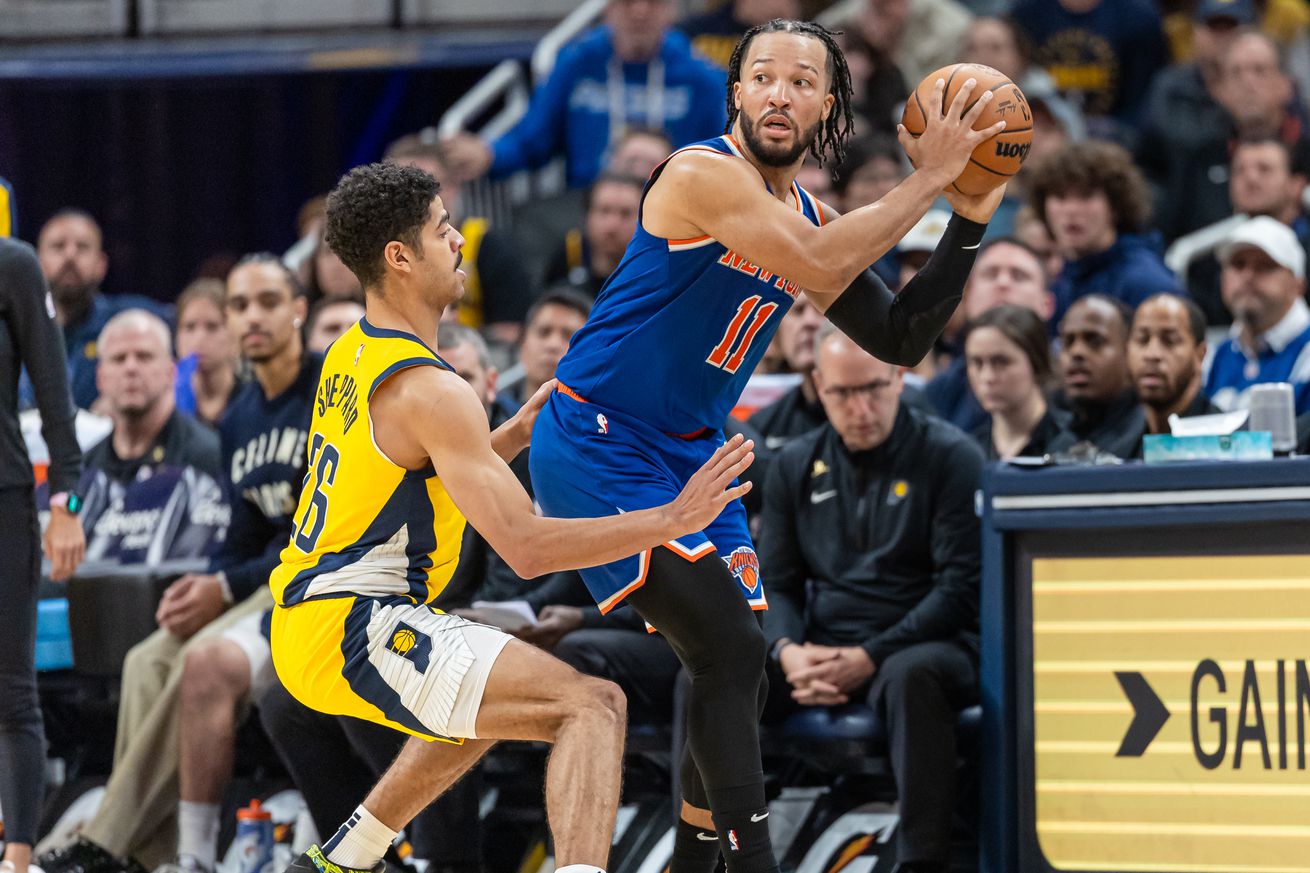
<point x="1282" y="354"/>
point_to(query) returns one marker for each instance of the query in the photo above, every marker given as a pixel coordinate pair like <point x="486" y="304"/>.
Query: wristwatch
<point x="67" y="500"/>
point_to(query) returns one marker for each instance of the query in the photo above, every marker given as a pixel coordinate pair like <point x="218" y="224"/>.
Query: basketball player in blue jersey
<point x="725" y="241"/>
<point x="399" y="455"/>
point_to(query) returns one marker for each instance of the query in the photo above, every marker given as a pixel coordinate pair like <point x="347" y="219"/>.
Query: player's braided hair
<point x="837" y="128"/>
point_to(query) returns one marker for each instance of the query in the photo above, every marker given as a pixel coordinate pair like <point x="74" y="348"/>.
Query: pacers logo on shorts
<point x="410" y="644"/>
<point x="403" y="641"/>
<point x="745" y="567"/>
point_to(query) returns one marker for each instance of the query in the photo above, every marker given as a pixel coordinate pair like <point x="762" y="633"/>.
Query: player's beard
<point x="776" y="155"/>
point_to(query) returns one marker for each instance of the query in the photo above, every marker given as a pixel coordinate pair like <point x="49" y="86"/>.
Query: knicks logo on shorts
<point x="745" y="567"/>
<point x="414" y="646"/>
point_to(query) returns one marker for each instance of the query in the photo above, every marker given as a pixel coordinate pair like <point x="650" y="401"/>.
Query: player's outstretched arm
<point x="515" y="435"/>
<point x="901" y="328"/>
<point x="439" y="417"/>
<point x="700" y="192"/>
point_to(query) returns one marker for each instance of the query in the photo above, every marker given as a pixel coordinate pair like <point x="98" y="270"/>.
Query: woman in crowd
<point x="1008" y="357"/>
<point x="206" y="354"/>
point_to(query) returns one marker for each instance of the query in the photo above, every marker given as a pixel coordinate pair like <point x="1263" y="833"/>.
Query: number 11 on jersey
<point x="739" y="335"/>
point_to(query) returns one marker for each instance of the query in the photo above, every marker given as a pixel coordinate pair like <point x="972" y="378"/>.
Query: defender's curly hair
<point x="372" y="205"/>
<point x="839" y="125"/>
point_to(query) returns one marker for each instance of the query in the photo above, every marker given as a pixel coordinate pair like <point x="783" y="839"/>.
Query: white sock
<point x="579" y="868"/>
<point x="360" y="842"/>
<point x="197" y="831"/>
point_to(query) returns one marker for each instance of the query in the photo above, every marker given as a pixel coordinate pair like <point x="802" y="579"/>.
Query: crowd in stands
<point x="1176" y="128"/>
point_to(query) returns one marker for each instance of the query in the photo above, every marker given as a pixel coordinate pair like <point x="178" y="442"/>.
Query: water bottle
<point x="254" y="839"/>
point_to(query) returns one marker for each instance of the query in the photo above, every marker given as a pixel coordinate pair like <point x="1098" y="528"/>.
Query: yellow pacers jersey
<point x="364" y="525"/>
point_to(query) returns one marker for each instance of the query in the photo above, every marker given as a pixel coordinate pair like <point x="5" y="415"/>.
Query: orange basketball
<point x="994" y="160"/>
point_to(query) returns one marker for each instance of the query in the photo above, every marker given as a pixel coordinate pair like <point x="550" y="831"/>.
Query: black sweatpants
<point x="336" y="760"/>
<point x="22" y="740"/>
<point x="918" y="692"/>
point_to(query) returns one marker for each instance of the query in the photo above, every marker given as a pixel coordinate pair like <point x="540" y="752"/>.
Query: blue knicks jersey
<point x="680" y="325"/>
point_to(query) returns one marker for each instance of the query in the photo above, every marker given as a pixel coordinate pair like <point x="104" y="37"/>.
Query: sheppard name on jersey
<point x="734" y="261"/>
<point x="339" y="390"/>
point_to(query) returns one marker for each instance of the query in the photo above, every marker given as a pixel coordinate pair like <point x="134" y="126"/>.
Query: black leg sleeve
<point x="700" y="610"/>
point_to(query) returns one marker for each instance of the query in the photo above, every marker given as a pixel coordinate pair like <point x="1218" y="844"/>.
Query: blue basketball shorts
<point x="588" y="461"/>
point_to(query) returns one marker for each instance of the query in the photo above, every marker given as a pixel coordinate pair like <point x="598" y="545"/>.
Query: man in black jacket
<point x="1097" y="387"/>
<point x="870" y="546"/>
<point x="1166" y="357"/>
<point x="151" y="487"/>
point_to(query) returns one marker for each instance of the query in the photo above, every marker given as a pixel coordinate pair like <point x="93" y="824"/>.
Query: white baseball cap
<point x="1270" y="236"/>
<point x="925" y="235"/>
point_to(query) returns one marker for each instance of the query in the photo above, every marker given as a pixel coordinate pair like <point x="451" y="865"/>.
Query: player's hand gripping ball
<point x="995" y="160"/>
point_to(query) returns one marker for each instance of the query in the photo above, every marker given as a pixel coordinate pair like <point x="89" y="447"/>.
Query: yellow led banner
<point x="1171" y="703"/>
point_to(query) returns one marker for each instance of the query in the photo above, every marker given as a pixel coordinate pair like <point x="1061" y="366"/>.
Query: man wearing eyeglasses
<point x="872" y="548"/>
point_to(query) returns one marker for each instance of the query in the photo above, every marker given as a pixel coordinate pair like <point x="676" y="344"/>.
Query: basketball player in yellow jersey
<point x="399" y="455"/>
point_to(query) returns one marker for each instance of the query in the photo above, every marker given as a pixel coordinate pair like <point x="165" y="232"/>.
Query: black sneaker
<point x="315" y="861"/>
<point x="81" y="856"/>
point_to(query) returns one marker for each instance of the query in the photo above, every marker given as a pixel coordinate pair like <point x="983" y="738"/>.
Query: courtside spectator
<point x="151" y="488"/>
<point x="1101" y="53"/>
<point x="329" y="319"/>
<point x="798" y="411"/>
<point x="73" y="259"/>
<point x="329" y="279"/>
<point x="1006" y="272"/>
<point x="1095" y="204"/>
<point x="590" y="253"/>
<point x="878" y="88"/>
<point x="919" y="36"/>
<point x="1260" y="101"/>
<point x="639" y="152"/>
<point x="1097" y="388"/>
<point x="714" y="34"/>
<point x="1183" y="112"/>
<point x="1263" y="284"/>
<point x="871" y="547"/>
<point x="872" y="166"/>
<point x="1266" y="177"/>
<point x="541" y="225"/>
<point x="1166" y="354"/>
<point x="1000" y="44"/>
<point x="1007" y="351"/>
<point x="207" y="354"/>
<point x="550" y="324"/>
<point x="658" y="81"/>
